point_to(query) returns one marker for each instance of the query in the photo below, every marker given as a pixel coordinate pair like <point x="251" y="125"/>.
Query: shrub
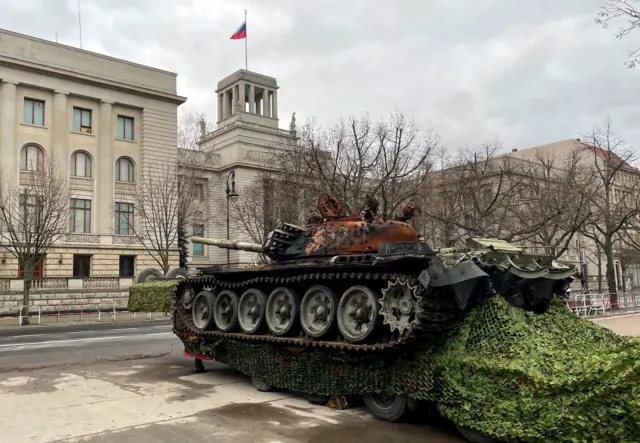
<point x="152" y="297"/>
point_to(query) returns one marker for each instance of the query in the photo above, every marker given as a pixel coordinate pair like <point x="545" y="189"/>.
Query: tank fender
<point x="462" y="278"/>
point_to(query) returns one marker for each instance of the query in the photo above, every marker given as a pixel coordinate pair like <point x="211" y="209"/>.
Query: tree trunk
<point x="611" y="278"/>
<point x="25" y="300"/>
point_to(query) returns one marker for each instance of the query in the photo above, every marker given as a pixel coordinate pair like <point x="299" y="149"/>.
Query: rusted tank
<point x="357" y="282"/>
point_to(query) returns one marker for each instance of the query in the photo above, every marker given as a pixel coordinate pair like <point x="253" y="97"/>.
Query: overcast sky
<point x="526" y="72"/>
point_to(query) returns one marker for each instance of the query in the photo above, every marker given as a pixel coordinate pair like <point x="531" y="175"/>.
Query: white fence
<point x="592" y="304"/>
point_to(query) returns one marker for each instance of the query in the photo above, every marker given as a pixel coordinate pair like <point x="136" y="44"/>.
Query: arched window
<point x="81" y="164"/>
<point x="32" y="158"/>
<point x="124" y="170"/>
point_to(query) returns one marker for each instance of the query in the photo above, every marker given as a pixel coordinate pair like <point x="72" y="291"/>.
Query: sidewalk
<point x="92" y="317"/>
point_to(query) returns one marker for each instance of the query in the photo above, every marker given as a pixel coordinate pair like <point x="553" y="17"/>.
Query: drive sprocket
<point x="400" y="305"/>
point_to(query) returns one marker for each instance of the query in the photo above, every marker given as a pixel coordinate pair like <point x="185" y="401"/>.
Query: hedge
<point x="152" y="297"/>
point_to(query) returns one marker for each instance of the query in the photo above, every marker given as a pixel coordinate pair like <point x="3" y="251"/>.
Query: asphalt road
<point x="30" y="348"/>
<point x="111" y="383"/>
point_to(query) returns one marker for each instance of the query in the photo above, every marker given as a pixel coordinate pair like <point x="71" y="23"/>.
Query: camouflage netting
<point x="507" y="373"/>
<point x="517" y="376"/>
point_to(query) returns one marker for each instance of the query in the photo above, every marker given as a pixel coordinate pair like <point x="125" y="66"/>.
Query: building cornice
<point x="91" y="81"/>
<point x="253" y="77"/>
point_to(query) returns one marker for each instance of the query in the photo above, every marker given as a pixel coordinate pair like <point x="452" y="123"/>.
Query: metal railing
<point x="83" y="310"/>
<point x="594" y="304"/>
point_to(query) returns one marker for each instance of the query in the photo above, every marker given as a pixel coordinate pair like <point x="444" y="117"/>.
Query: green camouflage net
<point x="504" y="372"/>
<point x="517" y="376"/>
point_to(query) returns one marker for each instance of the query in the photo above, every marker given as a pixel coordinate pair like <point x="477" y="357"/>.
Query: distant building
<point x="582" y="251"/>
<point x="105" y="120"/>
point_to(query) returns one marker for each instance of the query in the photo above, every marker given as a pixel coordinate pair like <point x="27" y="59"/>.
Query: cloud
<point x="524" y="72"/>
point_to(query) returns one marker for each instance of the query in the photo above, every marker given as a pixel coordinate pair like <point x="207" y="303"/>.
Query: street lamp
<point x="231" y="194"/>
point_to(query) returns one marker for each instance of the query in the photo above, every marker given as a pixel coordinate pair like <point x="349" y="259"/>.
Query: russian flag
<point x="240" y="33"/>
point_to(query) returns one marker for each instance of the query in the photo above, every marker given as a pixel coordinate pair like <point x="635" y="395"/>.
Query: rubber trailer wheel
<point x="177" y="273"/>
<point x="260" y="385"/>
<point x="474" y="436"/>
<point x="386" y="406"/>
<point x="147" y="275"/>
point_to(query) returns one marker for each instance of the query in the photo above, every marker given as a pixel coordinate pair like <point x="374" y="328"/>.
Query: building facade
<point x="105" y="121"/>
<point x="247" y="135"/>
<point x="517" y="177"/>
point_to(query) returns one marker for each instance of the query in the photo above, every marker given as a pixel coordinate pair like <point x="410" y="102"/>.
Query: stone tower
<point x="249" y="97"/>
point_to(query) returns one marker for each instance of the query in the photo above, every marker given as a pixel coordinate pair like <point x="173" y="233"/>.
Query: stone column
<point x="266" y="102"/>
<point x="275" y="105"/>
<point x="220" y="107"/>
<point x="225" y="105"/>
<point x="105" y="174"/>
<point x="60" y="132"/>
<point x="8" y="115"/>
<point x="234" y="99"/>
<point x="252" y="99"/>
<point x="243" y="99"/>
<point x="257" y="102"/>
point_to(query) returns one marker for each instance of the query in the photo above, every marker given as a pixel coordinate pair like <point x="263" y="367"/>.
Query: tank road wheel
<point x="251" y="310"/>
<point x="283" y="311"/>
<point x="202" y="313"/>
<point x="358" y="313"/>
<point x="318" y="310"/>
<point x="386" y="405"/>
<point x="225" y="310"/>
<point x="399" y="306"/>
<point x="187" y="297"/>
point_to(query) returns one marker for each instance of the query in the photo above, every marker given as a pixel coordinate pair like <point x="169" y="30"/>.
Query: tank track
<point x="438" y="311"/>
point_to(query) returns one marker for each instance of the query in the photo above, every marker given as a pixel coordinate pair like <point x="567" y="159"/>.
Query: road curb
<point x="77" y="323"/>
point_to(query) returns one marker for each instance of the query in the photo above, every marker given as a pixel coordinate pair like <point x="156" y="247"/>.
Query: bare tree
<point x="389" y="159"/>
<point x="625" y="10"/>
<point x="268" y="201"/>
<point x="483" y="193"/>
<point x="33" y="216"/>
<point x="615" y="205"/>
<point x="557" y="193"/>
<point x="192" y="127"/>
<point x="166" y="205"/>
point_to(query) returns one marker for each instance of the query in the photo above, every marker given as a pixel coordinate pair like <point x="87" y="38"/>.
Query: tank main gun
<point x="229" y="244"/>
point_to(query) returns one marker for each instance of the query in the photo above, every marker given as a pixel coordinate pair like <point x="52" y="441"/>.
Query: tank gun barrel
<point x="229" y="244"/>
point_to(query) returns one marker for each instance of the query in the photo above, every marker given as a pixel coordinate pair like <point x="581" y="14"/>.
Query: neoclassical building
<point x="246" y="135"/>
<point x="105" y="121"/>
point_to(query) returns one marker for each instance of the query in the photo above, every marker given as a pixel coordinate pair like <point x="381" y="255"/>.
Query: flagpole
<point x="246" y="58"/>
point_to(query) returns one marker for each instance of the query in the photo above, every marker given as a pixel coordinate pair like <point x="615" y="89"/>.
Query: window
<point x="80" y="164"/>
<point x="82" y="120"/>
<point x="32" y="158"/>
<point x="123" y="224"/>
<point x="31" y="208"/>
<point x="198" y="248"/>
<point x="125" y="128"/>
<point x="33" y="112"/>
<point x="79" y="215"/>
<point x="127" y="265"/>
<point x="198" y="190"/>
<point x="38" y="272"/>
<point x="81" y="265"/>
<point x="124" y="170"/>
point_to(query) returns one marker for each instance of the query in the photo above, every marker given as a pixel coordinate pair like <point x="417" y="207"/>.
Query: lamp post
<point x="231" y="194"/>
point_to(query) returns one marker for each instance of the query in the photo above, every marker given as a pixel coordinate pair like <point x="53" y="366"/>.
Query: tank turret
<point x="359" y="283"/>
<point x="334" y="233"/>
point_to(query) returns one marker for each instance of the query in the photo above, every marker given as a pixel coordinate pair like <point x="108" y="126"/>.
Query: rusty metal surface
<point x="356" y="236"/>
